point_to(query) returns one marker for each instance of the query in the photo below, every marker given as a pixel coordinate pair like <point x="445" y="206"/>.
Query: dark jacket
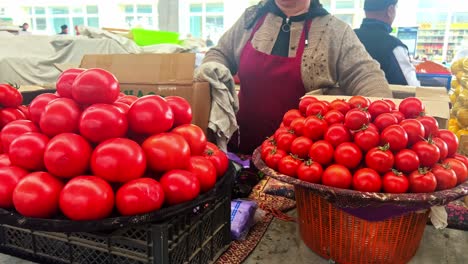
<point x="375" y="35"/>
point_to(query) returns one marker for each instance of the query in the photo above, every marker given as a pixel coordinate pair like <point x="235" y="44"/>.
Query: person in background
<point x="24" y="29"/>
<point x="64" y="29"/>
<point x="388" y="50"/>
<point x="283" y="49"/>
<point x="209" y="42"/>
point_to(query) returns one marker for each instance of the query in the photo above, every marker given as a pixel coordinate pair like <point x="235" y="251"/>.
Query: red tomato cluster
<point x="366" y="146"/>
<point x="10" y="105"/>
<point x="89" y="149"/>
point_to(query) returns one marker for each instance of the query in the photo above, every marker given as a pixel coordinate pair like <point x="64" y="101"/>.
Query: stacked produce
<point x="88" y="150"/>
<point x="366" y="146"/>
<point x="458" y="122"/>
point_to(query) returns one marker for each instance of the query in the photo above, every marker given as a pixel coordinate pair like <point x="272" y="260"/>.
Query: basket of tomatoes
<point x="365" y="173"/>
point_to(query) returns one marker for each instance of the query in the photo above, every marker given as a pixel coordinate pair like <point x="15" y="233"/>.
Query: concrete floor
<point x="281" y="244"/>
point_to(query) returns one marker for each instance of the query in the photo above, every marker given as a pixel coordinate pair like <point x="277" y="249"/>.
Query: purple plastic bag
<point x="242" y="217"/>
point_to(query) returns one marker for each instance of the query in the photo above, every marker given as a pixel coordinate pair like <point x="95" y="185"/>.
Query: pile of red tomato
<point x="88" y="150"/>
<point x="10" y="105"/>
<point x="366" y="146"/>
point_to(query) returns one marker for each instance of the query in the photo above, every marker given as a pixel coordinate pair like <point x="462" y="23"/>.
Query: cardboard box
<point x="162" y="74"/>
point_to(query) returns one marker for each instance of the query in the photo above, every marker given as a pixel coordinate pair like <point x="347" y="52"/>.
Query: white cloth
<point x="439" y="217"/>
<point x="225" y="102"/>
<point x="408" y="70"/>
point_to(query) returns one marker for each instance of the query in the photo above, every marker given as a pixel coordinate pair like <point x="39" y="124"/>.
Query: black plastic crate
<point x="195" y="236"/>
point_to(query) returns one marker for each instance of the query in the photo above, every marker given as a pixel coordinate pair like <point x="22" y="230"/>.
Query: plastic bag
<point x="242" y="217"/>
<point x="439" y="217"/>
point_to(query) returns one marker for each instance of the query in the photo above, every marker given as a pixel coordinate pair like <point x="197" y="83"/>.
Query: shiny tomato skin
<point x="314" y="128"/>
<point x="399" y="116"/>
<point x="445" y="176"/>
<point x="348" y="154"/>
<point x="431" y="126"/>
<point x="334" y="117"/>
<point x="310" y="171"/>
<point x="38" y="105"/>
<point x="217" y="157"/>
<point x="95" y="86"/>
<point x="288" y="166"/>
<point x="322" y="152"/>
<point x="180" y="186"/>
<point x="10" y="96"/>
<point x="27" y="151"/>
<point x="317" y="108"/>
<point x="205" y="172"/>
<point x="9" y="177"/>
<point x="422" y="182"/>
<point x="100" y="122"/>
<point x="280" y="131"/>
<point x="395" y="136"/>
<point x="461" y="158"/>
<point x="290" y="115"/>
<point x="367" y="180"/>
<point x="301" y="146"/>
<point x="407" y="161"/>
<point x="385" y="120"/>
<point x="442" y="146"/>
<point x="380" y="160"/>
<point x="181" y="109"/>
<point x="86" y="198"/>
<point x="411" y="107"/>
<point x="118" y="160"/>
<point x="305" y="102"/>
<point x="379" y="107"/>
<point x="150" y="115"/>
<point x="337" y="176"/>
<point x="428" y="153"/>
<point x="367" y="139"/>
<point x="4" y="160"/>
<point x="14" y="130"/>
<point x="340" y="105"/>
<point x="451" y="140"/>
<point x="337" y="134"/>
<point x="459" y="168"/>
<point x="391" y="103"/>
<point x="139" y="196"/>
<point x="65" y="81"/>
<point x="414" y="129"/>
<point x="37" y="195"/>
<point x="60" y="116"/>
<point x="8" y="115"/>
<point x="358" y="101"/>
<point x="273" y="157"/>
<point x="166" y="151"/>
<point x="127" y="99"/>
<point x="356" y="119"/>
<point x="67" y="155"/>
<point x="194" y="136"/>
<point x="285" y="140"/>
<point x="394" y="182"/>
<point x="122" y="107"/>
<point x="297" y="125"/>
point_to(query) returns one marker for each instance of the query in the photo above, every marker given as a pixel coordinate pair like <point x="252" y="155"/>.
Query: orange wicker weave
<point x="336" y="235"/>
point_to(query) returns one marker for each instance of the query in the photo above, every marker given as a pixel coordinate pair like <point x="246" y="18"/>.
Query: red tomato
<point x="38" y="105"/>
<point x="322" y="152"/>
<point x="442" y="146"/>
<point x="340" y="105"/>
<point x="267" y="146"/>
<point x="139" y="196"/>
<point x="297" y="125"/>
<point x="391" y="103"/>
<point x="445" y="176"/>
<point x="380" y="159"/>
<point x="451" y="139"/>
<point x="427" y="152"/>
<point x="266" y="150"/>
<point x="100" y="122"/>
<point x="60" y="116"/>
<point x="431" y="126"/>
<point x="385" y="120"/>
<point x="316" y="108"/>
<point x="290" y="116"/>
<point x="367" y="139"/>
<point x="86" y="198"/>
<point x="194" y="136"/>
<point x="37" y="195"/>
<point x="4" y="160"/>
<point x="8" y="115"/>
<point x="180" y="186"/>
<point x="205" y="172"/>
<point x="95" y="86"/>
<point x="356" y="119"/>
<point x="280" y="131"/>
<point x="10" y="96"/>
<point x="289" y="165"/>
<point x="358" y="101"/>
<point x="422" y="182"/>
<point x="367" y="180"/>
<point x="127" y="99"/>
<point x="348" y="154"/>
<point x="414" y="129"/>
<point x="334" y="117"/>
<point x="14" y="130"/>
<point x="181" y="109"/>
<point x="314" y="128"/>
<point x="461" y="158"/>
<point x="310" y="171"/>
<point x="273" y="157"/>
<point x="395" y="182"/>
<point x="411" y="107"/>
<point x="305" y="102"/>
<point x="371" y="126"/>
<point x="9" y="177"/>
<point x="217" y="157"/>
<point x="27" y="151"/>
<point x="166" y="151"/>
<point x="337" y="176"/>
<point x="337" y="134"/>
<point x="301" y="146"/>
<point x="399" y="116"/>
<point x="284" y="141"/>
<point x="379" y="107"/>
<point x="65" y="81"/>
<point x="459" y="168"/>
<point x="122" y="107"/>
<point x="407" y="161"/>
<point x="25" y="110"/>
<point x="67" y="155"/>
<point x="396" y="136"/>
<point x="150" y="114"/>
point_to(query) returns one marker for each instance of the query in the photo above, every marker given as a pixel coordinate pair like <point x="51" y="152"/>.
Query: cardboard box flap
<point x="145" y="68"/>
<point x="427" y="93"/>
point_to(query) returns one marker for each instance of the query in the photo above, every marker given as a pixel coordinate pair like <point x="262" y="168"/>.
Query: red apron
<point x="270" y="86"/>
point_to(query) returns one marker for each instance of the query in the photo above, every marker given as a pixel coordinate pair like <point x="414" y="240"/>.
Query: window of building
<point x="344" y="4"/>
<point x="207" y="19"/>
<point x="139" y="15"/>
